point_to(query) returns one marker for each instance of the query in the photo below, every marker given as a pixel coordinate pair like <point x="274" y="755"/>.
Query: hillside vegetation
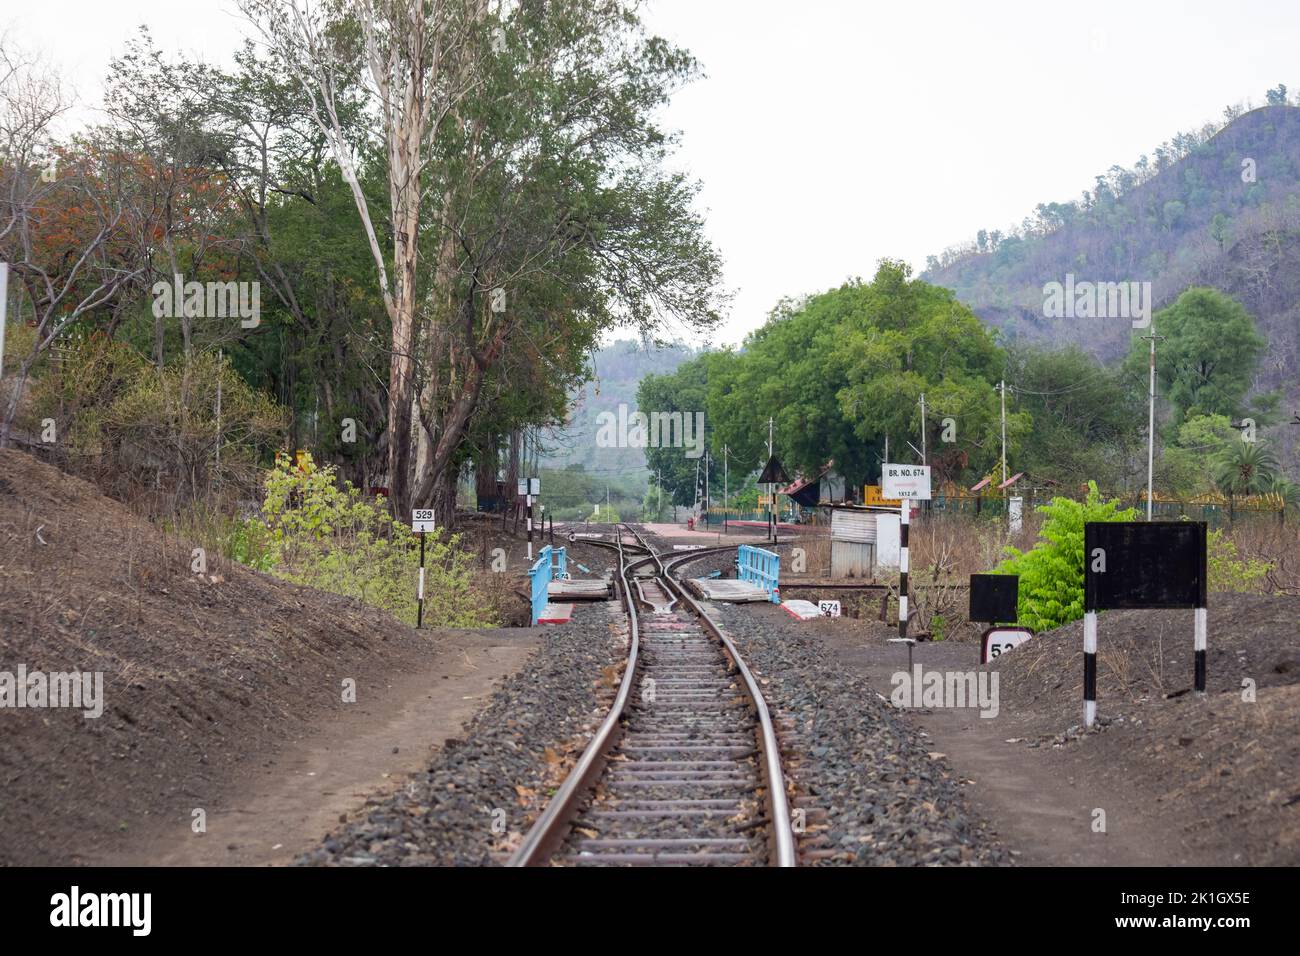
<point x="1217" y="207"/>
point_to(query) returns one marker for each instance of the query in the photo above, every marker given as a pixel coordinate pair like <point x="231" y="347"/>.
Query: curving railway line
<point x="685" y="768"/>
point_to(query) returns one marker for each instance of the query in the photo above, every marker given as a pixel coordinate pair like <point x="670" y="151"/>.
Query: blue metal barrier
<point x="540" y="575"/>
<point x="551" y="563"/>
<point x="762" y="568"/>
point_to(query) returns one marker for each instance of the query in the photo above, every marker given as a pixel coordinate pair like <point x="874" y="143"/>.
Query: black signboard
<point x="1143" y="564"/>
<point x="773" y="473"/>
<point x="993" y="598"/>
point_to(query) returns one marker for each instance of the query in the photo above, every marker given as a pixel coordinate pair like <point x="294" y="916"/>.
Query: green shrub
<point x="336" y="539"/>
<point x="1051" y="573"/>
<point x="1228" y="572"/>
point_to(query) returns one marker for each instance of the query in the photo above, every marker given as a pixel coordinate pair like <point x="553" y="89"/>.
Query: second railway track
<point x="685" y="769"/>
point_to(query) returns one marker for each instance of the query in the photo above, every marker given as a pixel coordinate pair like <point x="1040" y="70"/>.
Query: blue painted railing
<point x="762" y="568"/>
<point x="551" y="563"/>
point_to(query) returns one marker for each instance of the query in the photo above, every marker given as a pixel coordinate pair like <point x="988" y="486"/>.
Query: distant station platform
<point x="760" y="525"/>
<point x="580" y="589"/>
<point x="728" y="589"/>
<point x="555" y="614"/>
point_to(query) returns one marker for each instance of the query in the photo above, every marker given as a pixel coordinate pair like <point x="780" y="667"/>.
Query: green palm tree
<point x="1245" y="468"/>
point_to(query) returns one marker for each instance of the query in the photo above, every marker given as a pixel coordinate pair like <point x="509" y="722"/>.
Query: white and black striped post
<point x="1202" y="615"/>
<point x="419" y="594"/>
<point x="904" y="516"/>
<point x="529" y="511"/>
<point x="1089" y="668"/>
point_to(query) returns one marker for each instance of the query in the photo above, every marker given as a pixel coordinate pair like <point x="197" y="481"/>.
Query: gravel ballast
<point x="480" y="794"/>
<point x="872" y="792"/>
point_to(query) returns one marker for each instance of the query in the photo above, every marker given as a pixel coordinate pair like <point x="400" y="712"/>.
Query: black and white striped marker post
<point x="1089" y="668"/>
<point x="904" y="517"/>
<point x="1201" y="625"/>
<point x="422" y="522"/>
<point x="419" y="594"/>
<point x="907" y="483"/>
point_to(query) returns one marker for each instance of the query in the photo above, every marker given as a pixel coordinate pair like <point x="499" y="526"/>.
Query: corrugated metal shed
<point x="853" y="543"/>
<point x="850" y="525"/>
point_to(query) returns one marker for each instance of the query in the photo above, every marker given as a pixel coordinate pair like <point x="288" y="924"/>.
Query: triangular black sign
<point x="773" y="473"/>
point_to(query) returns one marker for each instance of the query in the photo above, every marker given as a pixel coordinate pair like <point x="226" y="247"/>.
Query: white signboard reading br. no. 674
<point x="906" y="481"/>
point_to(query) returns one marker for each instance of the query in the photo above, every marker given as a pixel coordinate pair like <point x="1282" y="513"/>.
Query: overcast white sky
<point x="831" y="134"/>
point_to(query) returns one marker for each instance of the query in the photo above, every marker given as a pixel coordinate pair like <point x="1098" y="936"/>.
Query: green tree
<point x="684" y="392"/>
<point x="1051" y="573"/>
<point x="1200" y="439"/>
<point x="1208" y="357"/>
<point x="1085" y="422"/>
<point x="840" y="371"/>
<point x="1245" y="468"/>
<point x="1219" y="229"/>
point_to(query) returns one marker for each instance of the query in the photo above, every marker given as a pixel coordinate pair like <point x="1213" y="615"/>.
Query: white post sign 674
<point x="829" y="608"/>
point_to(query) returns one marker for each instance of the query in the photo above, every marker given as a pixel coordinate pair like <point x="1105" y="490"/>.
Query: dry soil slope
<point x="1226" y="767"/>
<point x="199" y="671"/>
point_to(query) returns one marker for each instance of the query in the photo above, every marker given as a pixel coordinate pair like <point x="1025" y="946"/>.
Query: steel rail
<point x="548" y="830"/>
<point x="551" y="827"/>
<point x="780" y="825"/>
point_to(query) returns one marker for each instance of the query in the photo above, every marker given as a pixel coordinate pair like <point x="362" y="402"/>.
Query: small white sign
<point x="422" y="519"/>
<point x="523" y="487"/>
<point x="829" y="608"/>
<point x="998" y="640"/>
<point x="534" y="486"/>
<point x="688" y="547"/>
<point x="906" y="481"/>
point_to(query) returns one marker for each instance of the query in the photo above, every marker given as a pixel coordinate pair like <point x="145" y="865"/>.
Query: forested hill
<point x="617" y="369"/>
<point x="1216" y="206"/>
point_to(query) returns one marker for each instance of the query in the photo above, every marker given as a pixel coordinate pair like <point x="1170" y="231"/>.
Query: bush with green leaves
<point x="153" y="426"/>
<point x="334" y="538"/>
<point x="1051" y="573"/>
<point x="1228" y="571"/>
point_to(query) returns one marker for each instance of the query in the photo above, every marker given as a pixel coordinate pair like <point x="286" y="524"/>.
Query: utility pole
<point x="923" y="428"/>
<point x="706" y="488"/>
<point x="770" y="495"/>
<point x="1002" y="388"/>
<point x="696" y="506"/>
<point x="725" y="496"/>
<point x="1151" y="415"/>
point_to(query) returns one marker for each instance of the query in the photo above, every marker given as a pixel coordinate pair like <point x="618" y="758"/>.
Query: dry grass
<point x="1274" y="542"/>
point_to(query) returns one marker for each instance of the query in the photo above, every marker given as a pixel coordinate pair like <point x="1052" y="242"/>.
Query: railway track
<point x="685" y="769"/>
